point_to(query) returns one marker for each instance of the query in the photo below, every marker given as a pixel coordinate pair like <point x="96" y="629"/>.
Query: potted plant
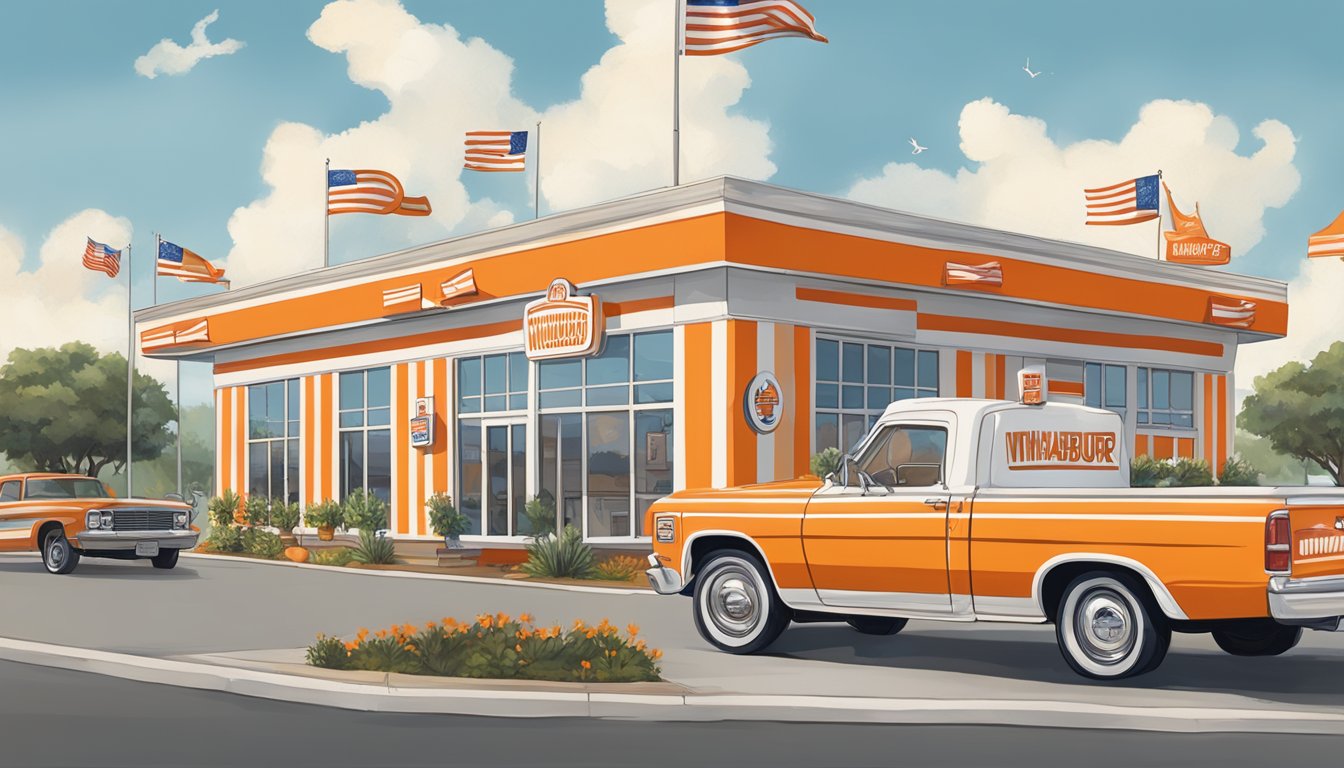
<point x="285" y="516"/>
<point x="446" y="520"/>
<point x="223" y="508"/>
<point x="257" y="510"/>
<point x="326" y="516"/>
<point x="365" y="511"/>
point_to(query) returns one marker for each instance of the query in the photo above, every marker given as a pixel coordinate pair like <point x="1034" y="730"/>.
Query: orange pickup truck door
<point x="15" y="525"/>
<point x="885" y="546"/>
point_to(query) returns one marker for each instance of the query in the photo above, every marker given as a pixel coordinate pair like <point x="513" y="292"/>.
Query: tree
<point x="64" y="410"/>
<point x="1300" y="409"/>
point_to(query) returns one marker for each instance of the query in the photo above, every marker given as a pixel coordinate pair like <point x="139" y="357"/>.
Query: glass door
<point x="504" y="468"/>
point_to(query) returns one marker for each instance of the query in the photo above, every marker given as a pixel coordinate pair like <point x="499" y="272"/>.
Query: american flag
<point x="1329" y="241"/>
<point x="368" y="191"/>
<point x="723" y="26"/>
<point x="496" y="151"/>
<point x="1238" y="313"/>
<point x="179" y="262"/>
<point x="463" y="284"/>
<point x="100" y="258"/>
<point x="1129" y="202"/>
<point x="990" y="274"/>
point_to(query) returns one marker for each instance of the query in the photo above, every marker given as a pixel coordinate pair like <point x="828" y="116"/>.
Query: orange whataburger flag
<point x="1329" y="241"/>
<point x="1189" y="242"/>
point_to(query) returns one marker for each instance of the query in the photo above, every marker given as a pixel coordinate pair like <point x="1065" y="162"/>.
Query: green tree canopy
<point x="1300" y="409"/>
<point x="64" y="410"/>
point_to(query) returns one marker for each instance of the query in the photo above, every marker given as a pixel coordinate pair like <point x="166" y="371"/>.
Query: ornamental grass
<point x="496" y="646"/>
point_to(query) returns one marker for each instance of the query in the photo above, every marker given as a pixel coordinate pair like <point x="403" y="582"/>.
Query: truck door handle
<point x="936" y="503"/>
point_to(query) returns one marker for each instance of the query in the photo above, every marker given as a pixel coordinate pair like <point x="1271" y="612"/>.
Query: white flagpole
<point x="178" y="394"/>
<point x="326" y="215"/>
<point x="130" y="366"/>
<point x="677" y="27"/>
<point x="1159" y="216"/>
<point x="536" y="192"/>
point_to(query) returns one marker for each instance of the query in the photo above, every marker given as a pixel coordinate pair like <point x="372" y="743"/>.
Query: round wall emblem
<point x="764" y="402"/>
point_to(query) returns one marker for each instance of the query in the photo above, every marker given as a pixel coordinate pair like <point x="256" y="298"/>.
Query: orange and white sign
<point x="177" y="334"/>
<point x="1237" y="313"/>
<point x="1031" y="384"/>
<point x="564" y="324"/>
<point x="763" y="402"/>
<point x="1189" y="242"/>
<point x="458" y="286"/>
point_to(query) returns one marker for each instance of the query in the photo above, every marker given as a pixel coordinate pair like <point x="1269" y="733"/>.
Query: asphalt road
<point x="51" y="717"/>
<point x="217" y="606"/>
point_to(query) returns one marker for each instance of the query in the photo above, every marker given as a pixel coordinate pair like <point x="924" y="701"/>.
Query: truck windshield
<point x="906" y="455"/>
<point x="64" y="488"/>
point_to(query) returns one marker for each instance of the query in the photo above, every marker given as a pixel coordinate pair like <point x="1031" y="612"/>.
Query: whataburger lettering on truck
<point x="1060" y="449"/>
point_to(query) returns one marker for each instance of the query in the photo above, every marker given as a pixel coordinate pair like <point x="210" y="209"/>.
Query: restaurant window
<point x="492" y="442"/>
<point x="273" y="440"/>
<point x="1105" y="386"/>
<point x="856" y="381"/>
<point x="1166" y="398"/>
<point x="365" y="420"/>
<point x="605" y="434"/>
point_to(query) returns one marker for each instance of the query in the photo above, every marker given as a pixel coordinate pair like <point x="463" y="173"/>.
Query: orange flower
<point x="352" y="645"/>
<point x="518" y="649"/>
<point x="613" y="654"/>
<point x="578" y="624"/>
<point x="555" y="631"/>
<point x="502" y="618"/>
<point x="639" y="646"/>
<point x="590" y="634"/>
<point x="449" y="621"/>
<point x="526" y="618"/>
<point x="633" y="629"/>
<point x="656" y="654"/>
<point x="484" y="620"/>
<point x="586" y="664"/>
<point x="430" y="625"/>
<point x="380" y="633"/>
<point x="363" y="633"/>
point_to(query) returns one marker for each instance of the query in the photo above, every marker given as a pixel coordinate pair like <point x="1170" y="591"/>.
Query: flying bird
<point x="1027" y="69"/>
<point x="917" y="149"/>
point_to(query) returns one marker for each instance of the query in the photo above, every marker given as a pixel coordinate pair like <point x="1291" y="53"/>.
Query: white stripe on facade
<point x="718" y="403"/>
<point x="978" y="383"/>
<point x="412" y="454"/>
<point x="765" y="361"/>
<point x="678" y="407"/>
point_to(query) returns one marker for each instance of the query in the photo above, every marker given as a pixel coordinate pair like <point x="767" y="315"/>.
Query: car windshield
<point x="64" y="488"/>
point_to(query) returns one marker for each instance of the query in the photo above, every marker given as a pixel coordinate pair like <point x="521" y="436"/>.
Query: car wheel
<point x="165" y="560"/>
<point x="1106" y="629"/>
<point x="876" y="625"/>
<point x="1261" y="637"/>
<point x="57" y="554"/>
<point x="736" y="608"/>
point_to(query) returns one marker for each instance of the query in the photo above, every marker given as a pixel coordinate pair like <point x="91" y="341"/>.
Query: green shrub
<point x="365" y="511"/>
<point x="826" y="462"/>
<point x="285" y="516"/>
<point x="334" y="556"/>
<point x="374" y="549"/>
<point x="1186" y="473"/>
<point x="328" y="653"/>
<point x="565" y="556"/>
<point x="1238" y="471"/>
<point x="325" y="514"/>
<point x="619" y="568"/>
<point x="540" y="516"/>
<point x="225" y="538"/>
<point x="262" y="543"/>
<point x="444" y="518"/>
<point x="223" y="507"/>
<point x="1147" y="472"/>
<point x="257" y="509"/>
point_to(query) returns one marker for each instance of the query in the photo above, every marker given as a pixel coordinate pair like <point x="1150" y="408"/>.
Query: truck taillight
<point x="1278" y="543"/>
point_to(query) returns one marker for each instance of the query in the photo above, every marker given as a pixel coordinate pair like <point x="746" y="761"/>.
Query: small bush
<point x="365" y="511"/>
<point x="1147" y="472"/>
<point x="225" y="538"/>
<point x="444" y="518"/>
<point x="496" y="646"/>
<point x="325" y="514"/>
<point x="826" y="462"/>
<point x="1238" y="471"/>
<point x="262" y="543"/>
<point x="285" y="516"/>
<point x="560" y="557"/>
<point x="334" y="556"/>
<point x="223" y="507"/>
<point x="257" y="509"/>
<point x="619" y="568"/>
<point x="540" y="516"/>
<point x="1186" y="473"/>
<point x="374" y="549"/>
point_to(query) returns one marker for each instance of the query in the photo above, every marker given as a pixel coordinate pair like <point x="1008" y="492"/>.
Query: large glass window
<point x="1104" y="386"/>
<point x="1166" y="398"/>
<point x="492" y="383"/>
<point x="856" y="381"/>
<point x="365" y="432"/>
<point x="492" y="441"/>
<point x="273" y="440"/>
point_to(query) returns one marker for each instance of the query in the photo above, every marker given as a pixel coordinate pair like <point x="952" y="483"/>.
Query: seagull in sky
<point x="1027" y="69"/>
<point x="917" y="149"/>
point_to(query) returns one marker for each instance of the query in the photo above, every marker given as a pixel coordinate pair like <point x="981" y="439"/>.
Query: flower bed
<point x="496" y="646"/>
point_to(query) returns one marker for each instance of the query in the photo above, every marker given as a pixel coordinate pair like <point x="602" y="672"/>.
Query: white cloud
<point x="614" y="140"/>
<point x="1315" y="321"/>
<point x="169" y="58"/>
<point x="1024" y="181"/>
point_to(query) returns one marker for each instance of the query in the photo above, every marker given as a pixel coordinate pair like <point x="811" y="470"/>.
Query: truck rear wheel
<point x="57" y="554"/>
<point x="735" y="606"/>
<point x="1257" y="637"/>
<point x="1106" y="630"/>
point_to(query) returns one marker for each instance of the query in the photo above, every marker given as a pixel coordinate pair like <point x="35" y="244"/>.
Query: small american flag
<point x="100" y="258"/>
<point x="1329" y="241"/>
<point x="368" y="191"/>
<point x="1129" y="202"/>
<point x="1237" y="313"/>
<point x="989" y="273"/>
<point x="463" y="284"/>
<point x="182" y="263"/>
<point x="723" y="26"/>
<point x="496" y="151"/>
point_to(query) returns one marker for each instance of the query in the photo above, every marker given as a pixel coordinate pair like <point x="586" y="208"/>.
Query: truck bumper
<point x="664" y="581"/>
<point x="112" y="541"/>
<point x="1304" y="600"/>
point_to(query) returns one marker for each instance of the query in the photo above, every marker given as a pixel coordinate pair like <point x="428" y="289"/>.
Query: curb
<point x="516" y="703"/>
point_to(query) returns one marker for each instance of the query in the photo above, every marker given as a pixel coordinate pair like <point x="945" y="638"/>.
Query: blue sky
<point x="179" y="153"/>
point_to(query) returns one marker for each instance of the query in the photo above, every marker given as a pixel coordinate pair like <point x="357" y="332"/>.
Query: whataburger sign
<point x="564" y="324"/>
<point x="1061" y="449"/>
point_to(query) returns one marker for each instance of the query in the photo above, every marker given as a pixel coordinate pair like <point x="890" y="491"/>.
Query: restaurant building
<point x="712" y="334"/>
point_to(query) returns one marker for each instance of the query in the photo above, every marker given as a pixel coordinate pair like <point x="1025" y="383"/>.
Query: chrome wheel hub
<point x="56" y="554"/>
<point x="1105" y="626"/>
<point x="733" y="601"/>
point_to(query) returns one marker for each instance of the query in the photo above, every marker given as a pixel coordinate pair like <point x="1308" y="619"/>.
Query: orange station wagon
<point x="993" y="511"/>
<point x="68" y="516"/>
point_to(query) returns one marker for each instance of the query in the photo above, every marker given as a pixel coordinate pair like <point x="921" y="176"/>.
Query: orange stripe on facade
<point x="240" y="437"/>
<point x="784" y="432"/>
<point x="310" y="439"/>
<point x="1185" y="447"/>
<point x="1067" y="388"/>
<point x="1141" y="445"/>
<point x="401" y="476"/>
<point x="699" y="435"/>
<point x="1224" y="411"/>
<point x="616" y="309"/>
<point x="1164" y="447"/>
<point x="854" y="299"/>
<point x="953" y="324"/>
<point x="1001" y="389"/>
<point x="441" y="415"/>
<point x="1209" y="437"/>
<point x="802" y="377"/>
<point x="225" y="395"/>
<point x="325" y="419"/>
<point x="741" y="454"/>
<point x="964" y="386"/>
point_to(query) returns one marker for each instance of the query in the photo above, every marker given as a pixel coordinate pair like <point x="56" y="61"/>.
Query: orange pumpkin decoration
<point x="297" y="554"/>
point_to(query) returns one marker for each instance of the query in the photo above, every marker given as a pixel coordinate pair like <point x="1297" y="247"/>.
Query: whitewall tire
<point x="1106" y="628"/>
<point x="735" y="606"/>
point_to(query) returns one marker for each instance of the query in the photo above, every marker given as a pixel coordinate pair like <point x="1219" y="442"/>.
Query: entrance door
<point x="504" y="469"/>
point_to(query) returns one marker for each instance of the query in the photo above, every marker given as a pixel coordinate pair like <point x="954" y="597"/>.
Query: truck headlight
<point x="92" y="521"/>
<point x="107" y="520"/>
<point x="180" y="520"/>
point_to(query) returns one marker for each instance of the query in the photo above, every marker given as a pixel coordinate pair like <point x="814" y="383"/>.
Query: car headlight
<point x="92" y="521"/>
<point x="107" y="519"/>
<point x="180" y="520"/>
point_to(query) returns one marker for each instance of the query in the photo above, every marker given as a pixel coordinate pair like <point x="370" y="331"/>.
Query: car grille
<point x="142" y="519"/>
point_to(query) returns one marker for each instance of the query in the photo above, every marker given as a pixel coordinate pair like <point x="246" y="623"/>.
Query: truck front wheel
<point x="736" y="608"/>
<point x="1257" y="637"/>
<point x="57" y="554"/>
<point x="1106" y="630"/>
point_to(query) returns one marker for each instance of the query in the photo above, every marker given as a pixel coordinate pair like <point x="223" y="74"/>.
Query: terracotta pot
<point x="326" y="532"/>
<point x="289" y="539"/>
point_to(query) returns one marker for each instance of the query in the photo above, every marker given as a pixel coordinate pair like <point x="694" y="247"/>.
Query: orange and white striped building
<point x="713" y="334"/>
